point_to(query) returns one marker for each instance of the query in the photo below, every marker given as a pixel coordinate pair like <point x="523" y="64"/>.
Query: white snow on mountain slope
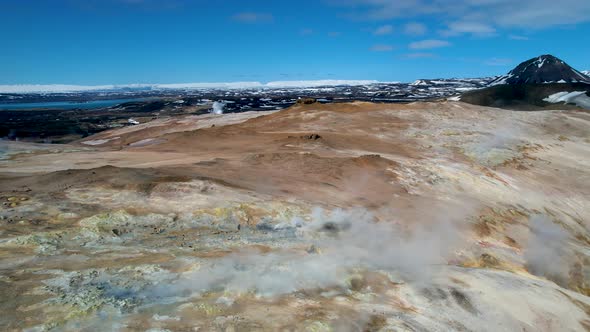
<point x="581" y="75"/>
<point x="501" y="79"/>
<point x="576" y="97"/>
<point x="419" y="83"/>
<point x="56" y="88"/>
<point x="586" y="72"/>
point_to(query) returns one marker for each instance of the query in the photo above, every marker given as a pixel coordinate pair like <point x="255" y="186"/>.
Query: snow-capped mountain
<point x="543" y="69"/>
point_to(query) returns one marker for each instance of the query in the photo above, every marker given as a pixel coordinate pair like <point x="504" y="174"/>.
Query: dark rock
<point x="306" y="101"/>
<point x="334" y="227"/>
<point x="311" y="137"/>
<point x="264" y="226"/>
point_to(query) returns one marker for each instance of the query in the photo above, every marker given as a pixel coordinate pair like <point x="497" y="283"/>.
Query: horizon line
<point x="237" y="85"/>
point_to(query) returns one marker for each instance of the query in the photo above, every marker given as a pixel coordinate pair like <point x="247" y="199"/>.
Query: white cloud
<point x="415" y="29"/>
<point x="533" y="14"/>
<point x="467" y="27"/>
<point x="429" y="43"/>
<point x="498" y="62"/>
<point x="419" y="55"/>
<point x="383" y="30"/>
<point x="517" y="37"/>
<point x="252" y="17"/>
<point x="381" y="48"/>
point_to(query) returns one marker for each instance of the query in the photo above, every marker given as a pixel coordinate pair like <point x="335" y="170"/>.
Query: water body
<point x="68" y="105"/>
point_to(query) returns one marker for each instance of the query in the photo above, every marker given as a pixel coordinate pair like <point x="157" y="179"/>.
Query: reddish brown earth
<point x="360" y="216"/>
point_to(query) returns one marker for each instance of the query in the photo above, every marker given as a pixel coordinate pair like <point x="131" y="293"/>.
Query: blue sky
<point x="175" y="41"/>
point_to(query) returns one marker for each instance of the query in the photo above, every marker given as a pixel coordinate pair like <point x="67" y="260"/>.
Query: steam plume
<point x="218" y="107"/>
<point x="546" y="253"/>
<point x="342" y="243"/>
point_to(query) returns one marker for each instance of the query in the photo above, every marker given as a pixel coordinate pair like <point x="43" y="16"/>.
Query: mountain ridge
<point x="542" y="70"/>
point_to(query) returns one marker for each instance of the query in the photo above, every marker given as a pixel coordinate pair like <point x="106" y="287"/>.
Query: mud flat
<point x="334" y="217"/>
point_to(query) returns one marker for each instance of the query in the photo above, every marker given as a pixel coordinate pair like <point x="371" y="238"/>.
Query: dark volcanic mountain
<point x="531" y="85"/>
<point x="541" y="70"/>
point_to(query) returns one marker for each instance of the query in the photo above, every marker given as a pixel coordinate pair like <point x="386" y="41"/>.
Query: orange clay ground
<point x="341" y="217"/>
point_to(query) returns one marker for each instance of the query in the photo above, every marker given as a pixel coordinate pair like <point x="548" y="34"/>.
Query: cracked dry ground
<point x="342" y="217"/>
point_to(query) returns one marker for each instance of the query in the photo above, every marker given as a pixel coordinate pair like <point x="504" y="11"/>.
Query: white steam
<point x="334" y="246"/>
<point x="496" y="146"/>
<point x="218" y="108"/>
<point x="546" y="253"/>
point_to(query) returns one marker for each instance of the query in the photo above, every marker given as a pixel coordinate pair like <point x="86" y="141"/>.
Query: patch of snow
<point x="577" y="97"/>
<point x="133" y="122"/>
<point x="455" y="98"/>
<point x="580" y="75"/>
<point x="556" y="97"/>
<point x="99" y="141"/>
<point x="419" y="83"/>
<point x="501" y="79"/>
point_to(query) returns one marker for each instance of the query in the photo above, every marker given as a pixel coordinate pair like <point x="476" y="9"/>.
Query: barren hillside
<point x="357" y="216"/>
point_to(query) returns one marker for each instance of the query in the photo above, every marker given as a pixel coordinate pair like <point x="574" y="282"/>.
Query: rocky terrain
<point x="49" y="121"/>
<point x="328" y="89"/>
<point x="529" y="86"/>
<point x="423" y="216"/>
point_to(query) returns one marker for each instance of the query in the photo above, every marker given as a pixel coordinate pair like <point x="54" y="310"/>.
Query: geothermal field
<point x="427" y="216"/>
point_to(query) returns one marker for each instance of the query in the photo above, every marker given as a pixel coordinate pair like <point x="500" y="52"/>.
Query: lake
<point x="68" y="105"/>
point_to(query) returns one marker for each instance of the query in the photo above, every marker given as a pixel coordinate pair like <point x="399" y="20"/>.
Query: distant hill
<point x="538" y="83"/>
<point x="542" y="70"/>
